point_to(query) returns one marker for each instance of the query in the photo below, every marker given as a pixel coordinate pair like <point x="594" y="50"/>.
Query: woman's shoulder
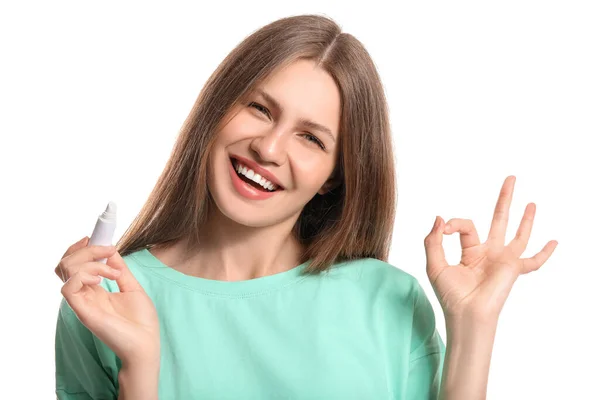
<point x="398" y="296"/>
<point x="376" y="275"/>
<point x="373" y="268"/>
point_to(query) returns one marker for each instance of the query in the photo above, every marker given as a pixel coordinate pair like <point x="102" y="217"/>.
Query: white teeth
<point x="250" y="174"/>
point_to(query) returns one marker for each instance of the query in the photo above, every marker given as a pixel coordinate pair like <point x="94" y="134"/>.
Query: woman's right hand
<point x="126" y="321"/>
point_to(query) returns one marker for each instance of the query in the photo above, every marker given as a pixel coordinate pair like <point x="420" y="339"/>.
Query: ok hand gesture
<point x="478" y="286"/>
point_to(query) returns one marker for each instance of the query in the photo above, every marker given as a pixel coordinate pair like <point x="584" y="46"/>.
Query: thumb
<point x="126" y="281"/>
<point x="434" y="251"/>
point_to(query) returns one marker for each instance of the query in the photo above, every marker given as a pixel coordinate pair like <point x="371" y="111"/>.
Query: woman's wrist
<point x="139" y="380"/>
<point x="468" y="357"/>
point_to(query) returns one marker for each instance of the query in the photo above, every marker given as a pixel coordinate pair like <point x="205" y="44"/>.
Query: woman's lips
<point x="245" y="189"/>
<point x="257" y="169"/>
<point x="235" y="161"/>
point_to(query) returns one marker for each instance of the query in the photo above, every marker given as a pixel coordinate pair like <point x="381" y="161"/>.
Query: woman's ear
<point x="331" y="183"/>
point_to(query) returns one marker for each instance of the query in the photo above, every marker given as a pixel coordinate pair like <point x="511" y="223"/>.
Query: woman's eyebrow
<point x="303" y="121"/>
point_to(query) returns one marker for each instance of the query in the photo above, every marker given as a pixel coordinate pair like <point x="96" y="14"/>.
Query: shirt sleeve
<point x="85" y="367"/>
<point x="427" y="354"/>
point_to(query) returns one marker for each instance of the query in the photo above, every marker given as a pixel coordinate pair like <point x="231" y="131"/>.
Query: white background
<point x="92" y="97"/>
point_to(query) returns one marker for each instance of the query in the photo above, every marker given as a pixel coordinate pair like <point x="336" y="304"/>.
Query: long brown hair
<point x="354" y="219"/>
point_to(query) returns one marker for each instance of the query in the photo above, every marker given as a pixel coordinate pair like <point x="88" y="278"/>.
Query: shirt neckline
<point x="245" y="288"/>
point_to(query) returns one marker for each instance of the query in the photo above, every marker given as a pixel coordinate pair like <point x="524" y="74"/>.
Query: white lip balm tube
<point x="105" y="228"/>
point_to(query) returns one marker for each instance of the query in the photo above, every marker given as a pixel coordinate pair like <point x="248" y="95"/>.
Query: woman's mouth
<point x="248" y="176"/>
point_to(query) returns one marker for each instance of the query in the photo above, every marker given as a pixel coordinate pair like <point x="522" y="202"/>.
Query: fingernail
<point x="81" y="240"/>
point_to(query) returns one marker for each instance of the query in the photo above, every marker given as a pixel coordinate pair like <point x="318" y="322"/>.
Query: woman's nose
<point x="271" y="146"/>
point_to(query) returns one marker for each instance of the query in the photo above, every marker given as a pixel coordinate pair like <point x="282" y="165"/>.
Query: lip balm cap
<point x="111" y="211"/>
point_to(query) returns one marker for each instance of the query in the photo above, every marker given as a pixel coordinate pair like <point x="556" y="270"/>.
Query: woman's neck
<point x="228" y="251"/>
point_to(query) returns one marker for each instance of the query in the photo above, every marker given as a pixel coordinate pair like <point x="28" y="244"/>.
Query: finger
<point x="93" y="268"/>
<point x="126" y="282"/>
<point x="519" y="243"/>
<point x="77" y="245"/>
<point x="434" y="251"/>
<point x="466" y="228"/>
<point x="74" y="247"/>
<point x="497" y="233"/>
<point x="535" y="262"/>
<point x="77" y="282"/>
<point x="80" y="256"/>
<point x="73" y="290"/>
<point x="98" y="268"/>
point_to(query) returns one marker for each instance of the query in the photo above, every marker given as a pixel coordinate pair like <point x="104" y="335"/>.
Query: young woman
<point x="257" y="268"/>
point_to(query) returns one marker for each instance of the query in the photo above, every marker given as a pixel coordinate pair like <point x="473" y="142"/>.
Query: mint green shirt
<point x="363" y="330"/>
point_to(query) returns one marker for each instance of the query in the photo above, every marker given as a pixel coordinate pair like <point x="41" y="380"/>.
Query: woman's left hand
<point x="478" y="286"/>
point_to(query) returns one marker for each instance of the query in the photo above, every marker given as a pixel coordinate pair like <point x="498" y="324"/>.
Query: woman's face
<point x="293" y="154"/>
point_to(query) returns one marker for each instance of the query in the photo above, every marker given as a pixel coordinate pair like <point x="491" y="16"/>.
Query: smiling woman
<point x="306" y="106"/>
<point x="277" y="138"/>
<point x="264" y="245"/>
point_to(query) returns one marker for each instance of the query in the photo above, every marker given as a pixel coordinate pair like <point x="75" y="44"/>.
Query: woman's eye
<point x="260" y="108"/>
<point x="315" y="140"/>
<point x="311" y="137"/>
